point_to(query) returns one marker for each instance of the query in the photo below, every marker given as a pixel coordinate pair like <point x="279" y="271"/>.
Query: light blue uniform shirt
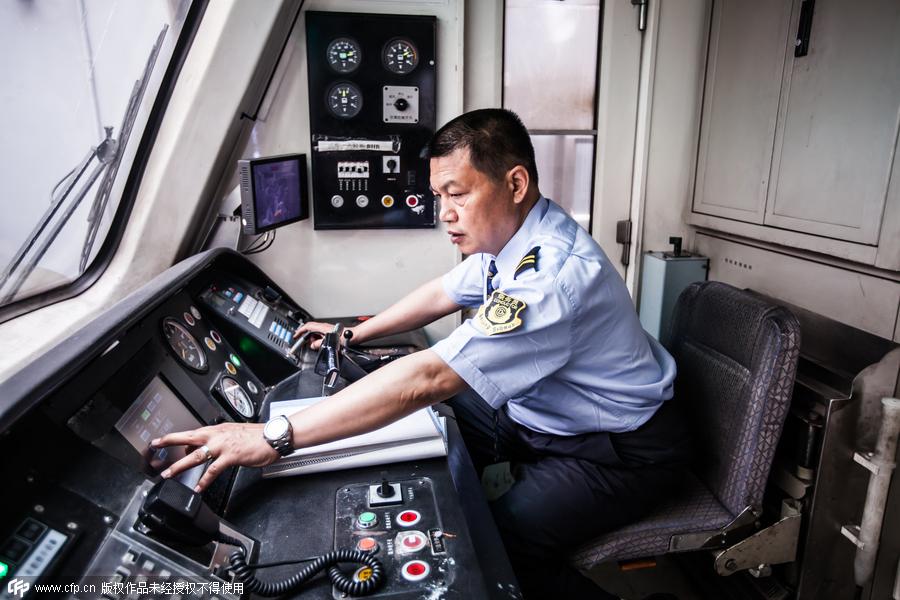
<point x="580" y="362"/>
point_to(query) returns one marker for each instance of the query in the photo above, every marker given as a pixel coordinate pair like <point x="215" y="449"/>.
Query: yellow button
<point x="387" y="201"/>
<point x="230" y="368"/>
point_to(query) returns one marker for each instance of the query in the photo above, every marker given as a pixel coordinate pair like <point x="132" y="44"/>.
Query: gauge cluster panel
<point x="372" y="112"/>
<point x="196" y="344"/>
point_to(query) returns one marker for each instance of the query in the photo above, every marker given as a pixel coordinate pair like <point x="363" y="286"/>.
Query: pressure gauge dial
<point x="400" y="56"/>
<point x="344" y="55"/>
<point x="236" y="397"/>
<point x="185" y="346"/>
<point x="344" y="100"/>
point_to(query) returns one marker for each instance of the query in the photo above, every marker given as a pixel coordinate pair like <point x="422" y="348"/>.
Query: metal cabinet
<point x="802" y="141"/>
<point x="743" y="82"/>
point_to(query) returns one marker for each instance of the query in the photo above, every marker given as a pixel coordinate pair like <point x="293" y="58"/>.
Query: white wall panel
<point x="355" y="272"/>
<point x="858" y="299"/>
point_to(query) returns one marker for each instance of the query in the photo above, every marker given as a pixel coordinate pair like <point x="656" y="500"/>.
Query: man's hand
<point x="316" y="329"/>
<point x="228" y="444"/>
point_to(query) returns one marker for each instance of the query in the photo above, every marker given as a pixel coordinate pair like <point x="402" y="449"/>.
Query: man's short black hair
<point x="496" y="138"/>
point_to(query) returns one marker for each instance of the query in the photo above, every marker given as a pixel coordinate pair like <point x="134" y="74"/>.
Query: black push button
<point x="14" y="550"/>
<point x="31" y="530"/>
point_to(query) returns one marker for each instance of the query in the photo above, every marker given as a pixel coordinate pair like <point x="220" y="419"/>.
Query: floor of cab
<point x="636" y="584"/>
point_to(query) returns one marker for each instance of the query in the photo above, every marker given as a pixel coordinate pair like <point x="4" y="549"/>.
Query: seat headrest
<point x="723" y="317"/>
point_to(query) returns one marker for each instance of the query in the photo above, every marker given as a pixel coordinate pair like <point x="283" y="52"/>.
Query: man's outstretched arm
<point x="420" y="307"/>
<point x="390" y="393"/>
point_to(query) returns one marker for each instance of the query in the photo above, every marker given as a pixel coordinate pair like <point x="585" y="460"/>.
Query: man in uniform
<point x="553" y="374"/>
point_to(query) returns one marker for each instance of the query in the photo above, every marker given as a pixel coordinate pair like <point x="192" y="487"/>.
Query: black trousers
<point x="569" y="489"/>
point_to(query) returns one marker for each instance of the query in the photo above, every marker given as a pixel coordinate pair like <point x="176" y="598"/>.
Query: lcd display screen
<point x="156" y="412"/>
<point x="276" y="193"/>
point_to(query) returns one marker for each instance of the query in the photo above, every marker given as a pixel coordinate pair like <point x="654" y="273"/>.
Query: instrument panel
<point x="372" y="112"/>
<point x="78" y="459"/>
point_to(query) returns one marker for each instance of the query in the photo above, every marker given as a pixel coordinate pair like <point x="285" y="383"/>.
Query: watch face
<point x="275" y="428"/>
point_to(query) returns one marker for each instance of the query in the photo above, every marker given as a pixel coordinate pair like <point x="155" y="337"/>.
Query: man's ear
<point x="518" y="180"/>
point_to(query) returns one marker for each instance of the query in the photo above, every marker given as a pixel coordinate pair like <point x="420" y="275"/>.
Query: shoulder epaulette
<point x="529" y="261"/>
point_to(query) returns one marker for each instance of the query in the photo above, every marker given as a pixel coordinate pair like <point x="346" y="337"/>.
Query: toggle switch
<point x="385" y="494"/>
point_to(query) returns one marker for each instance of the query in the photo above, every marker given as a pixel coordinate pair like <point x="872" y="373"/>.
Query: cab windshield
<point x="79" y="79"/>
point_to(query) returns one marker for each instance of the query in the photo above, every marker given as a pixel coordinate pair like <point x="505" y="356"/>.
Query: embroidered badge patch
<point x="529" y="261"/>
<point x="499" y="314"/>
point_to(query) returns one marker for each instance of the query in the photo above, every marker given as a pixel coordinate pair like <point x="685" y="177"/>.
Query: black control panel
<point x="400" y="523"/>
<point x="130" y="563"/>
<point x="261" y="320"/>
<point x="372" y="112"/>
<point x="77" y="459"/>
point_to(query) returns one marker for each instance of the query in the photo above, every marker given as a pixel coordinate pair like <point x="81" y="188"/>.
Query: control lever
<point x="328" y="361"/>
<point x="292" y="353"/>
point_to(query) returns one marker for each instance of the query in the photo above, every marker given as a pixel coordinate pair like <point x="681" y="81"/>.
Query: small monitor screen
<point x="278" y="191"/>
<point x="156" y="412"/>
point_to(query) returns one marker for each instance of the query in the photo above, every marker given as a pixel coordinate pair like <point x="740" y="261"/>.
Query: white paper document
<point x="414" y="437"/>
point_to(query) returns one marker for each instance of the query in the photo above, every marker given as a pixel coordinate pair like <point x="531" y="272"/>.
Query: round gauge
<point x="344" y="100"/>
<point x="184" y="345"/>
<point x="236" y="396"/>
<point x="344" y="55"/>
<point x="400" y="56"/>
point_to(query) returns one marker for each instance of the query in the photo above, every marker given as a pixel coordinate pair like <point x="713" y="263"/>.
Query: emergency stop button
<point x="409" y="518"/>
<point x="408" y="542"/>
<point x="415" y="570"/>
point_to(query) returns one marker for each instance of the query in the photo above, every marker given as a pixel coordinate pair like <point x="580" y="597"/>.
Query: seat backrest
<point x="737" y="357"/>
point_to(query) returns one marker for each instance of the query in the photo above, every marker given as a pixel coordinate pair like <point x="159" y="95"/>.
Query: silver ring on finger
<point x="207" y="453"/>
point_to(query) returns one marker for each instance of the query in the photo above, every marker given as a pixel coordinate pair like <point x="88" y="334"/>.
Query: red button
<point x="413" y="541"/>
<point x="409" y="517"/>
<point x="412" y="201"/>
<point x="415" y="568"/>
<point x="367" y="544"/>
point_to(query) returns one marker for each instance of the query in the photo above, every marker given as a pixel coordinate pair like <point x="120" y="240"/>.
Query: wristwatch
<point x="279" y="434"/>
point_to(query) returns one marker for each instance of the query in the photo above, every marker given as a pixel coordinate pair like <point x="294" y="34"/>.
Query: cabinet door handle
<point x="804" y="29"/>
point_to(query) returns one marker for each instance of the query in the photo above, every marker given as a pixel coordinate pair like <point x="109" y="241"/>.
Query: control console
<point x="260" y="319"/>
<point x="399" y="523"/>
<point x="132" y="564"/>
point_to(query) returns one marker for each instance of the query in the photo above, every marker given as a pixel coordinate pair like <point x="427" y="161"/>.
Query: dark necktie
<point x="492" y="270"/>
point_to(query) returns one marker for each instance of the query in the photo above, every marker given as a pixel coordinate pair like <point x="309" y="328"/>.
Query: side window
<point x="550" y="62"/>
<point x="79" y="81"/>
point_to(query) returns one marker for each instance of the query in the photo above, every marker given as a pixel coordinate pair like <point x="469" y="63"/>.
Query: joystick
<point x="385" y="494"/>
<point x="385" y="490"/>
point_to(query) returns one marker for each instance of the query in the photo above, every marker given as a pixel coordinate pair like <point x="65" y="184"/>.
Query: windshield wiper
<point x="108" y="154"/>
<point x="104" y="152"/>
<point x="100" y="201"/>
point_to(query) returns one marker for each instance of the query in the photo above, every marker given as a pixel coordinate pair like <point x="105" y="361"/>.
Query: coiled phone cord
<point x="244" y="573"/>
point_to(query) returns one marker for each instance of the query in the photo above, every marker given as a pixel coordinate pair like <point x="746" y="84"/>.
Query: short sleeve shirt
<point x="579" y="360"/>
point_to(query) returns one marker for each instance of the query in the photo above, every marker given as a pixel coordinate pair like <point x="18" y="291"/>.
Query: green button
<point x="4" y="569"/>
<point x="235" y="360"/>
<point x="367" y="517"/>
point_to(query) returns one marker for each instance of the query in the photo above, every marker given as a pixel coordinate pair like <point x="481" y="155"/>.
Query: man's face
<point x="479" y="212"/>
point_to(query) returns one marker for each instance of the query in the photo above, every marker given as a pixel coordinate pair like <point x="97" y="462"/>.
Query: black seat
<point x="737" y="356"/>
